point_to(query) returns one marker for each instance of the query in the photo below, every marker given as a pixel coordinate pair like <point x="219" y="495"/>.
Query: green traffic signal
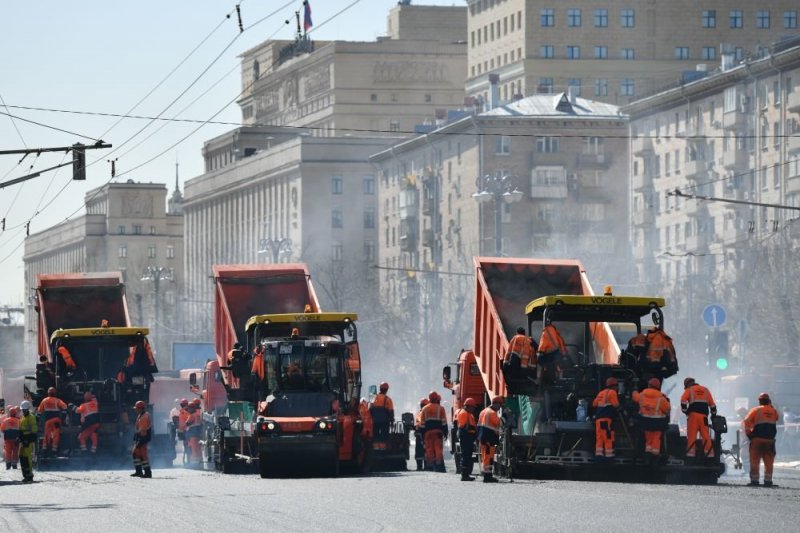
<point x="722" y="363"/>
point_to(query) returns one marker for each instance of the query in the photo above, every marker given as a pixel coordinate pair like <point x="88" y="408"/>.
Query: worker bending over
<point x="141" y="436"/>
<point x="605" y="404"/>
<point x="51" y="409"/>
<point x="467" y="430"/>
<point x="433" y="419"/>
<point x="761" y="426"/>
<point x="90" y="421"/>
<point x="654" y="412"/>
<point x="489" y="437"/>
<point x="9" y="426"/>
<point x="28" y="431"/>
<point x="382" y="411"/>
<point x="697" y="403"/>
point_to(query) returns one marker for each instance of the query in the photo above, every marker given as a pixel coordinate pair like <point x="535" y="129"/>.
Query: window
<point x="790" y="20"/>
<point x="151" y="251"/>
<point x="709" y="18"/>
<point x="545" y="85"/>
<point x="573" y="52"/>
<point x="137" y="229"/>
<point x="369" y="185"/>
<point x="547" y="17"/>
<point x="601" y="52"/>
<point x="546" y="51"/>
<point x="627" y="18"/>
<point x="337" y="251"/>
<point x="123" y="251"/>
<point x="627" y="53"/>
<point x="681" y="52"/>
<point x="601" y="87"/>
<point x="152" y="230"/>
<point x="709" y="53"/>
<point x="502" y="145"/>
<point x="574" y="18"/>
<point x="601" y="18"/>
<point x="762" y="19"/>
<point x="738" y="53"/>
<point x="369" y="218"/>
<point x="369" y="251"/>
<point x="428" y="99"/>
<point x="337" y="218"/>
<point x="121" y="230"/>
<point x="170" y="252"/>
<point x="736" y="19"/>
<point x="373" y="97"/>
<point x="575" y="85"/>
<point x="394" y="125"/>
<point x="626" y="87"/>
<point x="547" y="145"/>
<point x="337" y="185"/>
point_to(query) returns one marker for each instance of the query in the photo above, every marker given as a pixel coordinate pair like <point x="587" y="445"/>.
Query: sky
<point x="96" y="56"/>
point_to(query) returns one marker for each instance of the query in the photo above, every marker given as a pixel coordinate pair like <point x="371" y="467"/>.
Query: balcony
<point x="594" y="160"/>
<point x="643" y="182"/>
<point x="793" y="102"/>
<point x="645" y="217"/>
<point x="697" y="242"/>
<point x="427" y="205"/>
<point x="428" y="238"/>
<point x="408" y="242"/>
<point x="642" y="146"/>
<point x="735" y="158"/>
<point x="550" y="190"/>
<point x="696" y="169"/>
<point x="696" y="208"/>
<point x="792" y="184"/>
<point x="793" y="143"/>
<point x="735" y="120"/>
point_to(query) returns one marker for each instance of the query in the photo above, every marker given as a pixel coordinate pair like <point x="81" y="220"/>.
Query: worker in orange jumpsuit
<point x="141" y="436"/>
<point x="551" y="349"/>
<point x="433" y="420"/>
<point x="489" y="426"/>
<point x="67" y="357"/>
<point x="761" y="426"/>
<point x="258" y="373"/>
<point x="419" y="434"/>
<point x="382" y="411"/>
<point x="9" y="426"/>
<point x="521" y="353"/>
<point x="654" y="409"/>
<point x="51" y="409"/>
<point x="183" y="415"/>
<point x="194" y="427"/>
<point x="90" y="421"/>
<point x="697" y="403"/>
<point x="660" y="360"/>
<point x="605" y="404"/>
<point x="366" y="420"/>
<point x="467" y="431"/>
<point x="45" y="377"/>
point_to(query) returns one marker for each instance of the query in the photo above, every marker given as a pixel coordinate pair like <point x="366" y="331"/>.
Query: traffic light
<point x="717" y="350"/>
<point x="78" y="161"/>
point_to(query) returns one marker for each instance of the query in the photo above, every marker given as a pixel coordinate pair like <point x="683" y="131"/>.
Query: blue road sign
<point x="714" y="315"/>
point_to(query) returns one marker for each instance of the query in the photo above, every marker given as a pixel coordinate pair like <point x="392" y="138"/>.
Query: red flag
<point x="307" y="23"/>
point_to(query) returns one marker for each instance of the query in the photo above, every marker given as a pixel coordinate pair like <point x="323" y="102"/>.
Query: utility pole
<point x="78" y="160"/>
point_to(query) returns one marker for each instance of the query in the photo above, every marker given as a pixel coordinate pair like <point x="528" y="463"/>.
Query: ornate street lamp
<point x="501" y="188"/>
<point x="276" y="248"/>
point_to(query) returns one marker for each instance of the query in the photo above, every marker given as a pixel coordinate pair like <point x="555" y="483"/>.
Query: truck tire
<point x="263" y="465"/>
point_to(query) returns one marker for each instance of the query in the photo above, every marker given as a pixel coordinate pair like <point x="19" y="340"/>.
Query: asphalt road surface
<point x="181" y="500"/>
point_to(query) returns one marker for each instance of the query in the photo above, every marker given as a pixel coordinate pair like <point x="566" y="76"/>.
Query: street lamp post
<point x="501" y="188"/>
<point x="275" y="247"/>
<point x="156" y="274"/>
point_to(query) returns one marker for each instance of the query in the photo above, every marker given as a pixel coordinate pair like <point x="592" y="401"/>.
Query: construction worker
<point x="141" y="436"/>
<point x="433" y="419"/>
<point x="521" y="353"/>
<point x="551" y="349"/>
<point x="382" y="411"/>
<point x="467" y="431"/>
<point x="654" y="409"/>
<point x="9" y="426"/>
<point x="419" y="436"/>
<point x="45" y="377"/>
<point x="174" y="419"/>
<point x="67" y="357"/>
<point x="194" y="427"/>
<point x="183" y="415"/>
<point x="90" y="421"/>
<point x="660" y="360"/>
<point x="605" y="404"/>
<point x="489" y="437"/>
<point x="258" y="373"/>
<point x="366" y="419"/>
<point x="28" y="431"/>
<point x="697" y="403"/>
<point x="51" y="409"/>
<point x="761" y="426"/>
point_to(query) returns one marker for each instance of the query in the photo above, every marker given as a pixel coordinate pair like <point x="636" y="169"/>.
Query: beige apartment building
<point x="553" y="169"/>
<point x="386" y="86"/>
<point x="613" y="50"/>
<point x="735" y="137"/>
<point x="127" y="227"/>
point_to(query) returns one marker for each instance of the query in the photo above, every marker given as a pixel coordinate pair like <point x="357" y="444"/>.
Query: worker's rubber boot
<point x="138" y="472"/>
<point x="466" y="477"/>
<point x="147" y="472"/>
<point x="768" y="484"/>
<point x="419" y="465"/>
<point x="429" y="467"/>
<point x="753" y="484"/>
<point x="8" y="466"/>
<point x="440" y="468"/>
<point x="489" y="478"/>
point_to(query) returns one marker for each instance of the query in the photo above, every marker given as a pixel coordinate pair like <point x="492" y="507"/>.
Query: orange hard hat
<point x="140" y="406"/>
<point x="611" y="382"/>
<point x="498" y="400"/>
<point x="51" y="391"/>
<point x="184" y="402"/>
<point x="764" y="399"/>
<point x="469" y="402"/>
<point x="434" y="397"/>
<point x="654" y="383"/>
<point x="423" y="402"/>
<point x="384" y="386"/>
<point x="196" y="402"/>
<point x="13" y="411"/>
<point x="87" y="396"/>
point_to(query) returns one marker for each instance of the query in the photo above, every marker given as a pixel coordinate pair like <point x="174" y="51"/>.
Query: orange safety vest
<point x="257" y="367"/>
<point x="659" y="344"/>
<point x="9" y="426"/>
<point x="606" y="403"/>
<point x="466" y="421"/>
<point x="551" y="341"/>
<point x="183" y="416"/>
<point x="761" y="422"/>
<point x="652" y="403"/>
<point x="143" y="424"/>
<point x="67" y="357"/>
<point x="89" y="412"/>
<point x="490" y="420"/>
<point x="522" y="345"/>
<point x="433" y="417"/>
<point x="51" y="407"/>
<point x="697" y="399"/>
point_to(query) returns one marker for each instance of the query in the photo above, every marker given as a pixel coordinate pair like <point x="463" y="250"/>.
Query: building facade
<point x="127" y="227"/>
<point x="553" y="170"/>
<point x="733" y="137"/>
<point x="615" y="50"/>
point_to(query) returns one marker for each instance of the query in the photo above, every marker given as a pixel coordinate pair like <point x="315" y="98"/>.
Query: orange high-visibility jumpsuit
<point x="50" y="408"/>
<point x="90" y="423"/>
<point x="697" y="403"/>
<point x="194" y="427"/>
<point x="67" y="358"/>
<point x="382" y="411"/>
<point x="366" y="420"/>
<point x="433" y="419"/>
<point x="143" y="429"/>
<point x="9" y="426"/>
<point x="551" y="341"/>
<point x="606" y="404"/>
<point x="521" y="346"/>
<point x="654" y="411"/>
<point x="760" y="426"/>
<point x="489" y="436"/>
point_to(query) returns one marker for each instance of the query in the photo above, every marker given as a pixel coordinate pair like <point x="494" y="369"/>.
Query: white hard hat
<point x="25" y="405"/>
